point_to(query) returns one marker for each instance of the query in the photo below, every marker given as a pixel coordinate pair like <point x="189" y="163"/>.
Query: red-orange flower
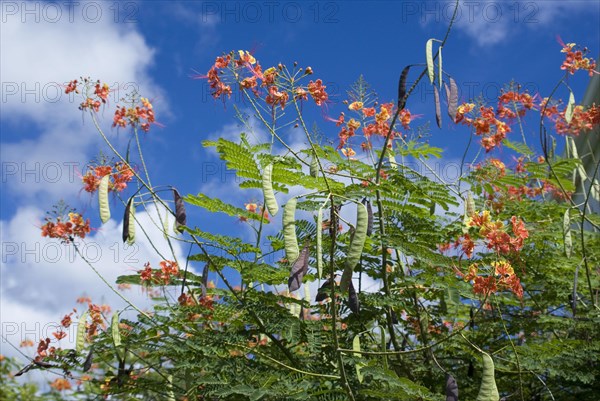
<point x="61" y="384"/>
<point x="317" y="91"/>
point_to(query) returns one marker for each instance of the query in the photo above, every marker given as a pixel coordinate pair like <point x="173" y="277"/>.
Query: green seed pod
<point x="314" y="167"/>
<point x="80" y="340"/>
<point x="289" y="231"/>
<point x="488" y="390"/>
<point x="429" y="59"/>
<point x="103" y="199"/>
<point x="267" y="186"/>
<point x="356" y="245"/>
<point x="469" y="205"/>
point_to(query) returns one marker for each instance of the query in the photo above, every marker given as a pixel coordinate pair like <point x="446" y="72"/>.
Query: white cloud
<point x="45" y="144"/>
<point x="42" y="278"/>
<point x="36" y="59"/>
<point x="490" y="22"/>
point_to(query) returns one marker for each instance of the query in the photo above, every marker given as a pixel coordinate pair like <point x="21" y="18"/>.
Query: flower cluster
<point x="168" y="269"/>
<point x="575" y="60"/>
<point x="520" y="102"/>
<point x="66" y="230"/>
<point x="273" y="82"/>
<point x="142" y="115"/>
<point x="94" y="100"/>
<point x="257" y="209"/>
<point x="485" y="122"/>
<point x="503" y="278"/>
<point x="120" y="174"/>
<point x="582" y="120"/>
<point x="60" y="384"/>
<point x="496" y="237"/>
<point x="95" y="313"/>
<point x="374" y="123"/>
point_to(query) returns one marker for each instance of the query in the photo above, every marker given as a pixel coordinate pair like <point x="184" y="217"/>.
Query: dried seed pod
<point x="353" y="301"/>
<point x="129" y="223"/>
<point x="402" y="86"/>
<point x="453" y="100"/>
<point x="438" y="107"/>
<point x="87" y="365"/>
<point x="320" y="243"/>
<point x="367" y="203"/>
<point x="451" y="388"/>
<point x="324" y="291"/>
<point x="180" y="216"/>
<point x="299" y="268"/>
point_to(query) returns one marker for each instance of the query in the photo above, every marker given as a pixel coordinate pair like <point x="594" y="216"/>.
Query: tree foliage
<point x="480" y="288"/>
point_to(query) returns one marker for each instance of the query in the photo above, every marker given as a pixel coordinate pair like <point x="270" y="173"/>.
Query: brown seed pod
<point x="299" y="268"/>
<point x="452" y="100"/>
<point x="451" y="388"/>
<point x="367" y="203"/>
<point x="180" y="216"/>
<point x="87" y="365"/>
<point x="128" y="224"/>
<point x="402" y="87"/>
<point x="438" y="108"/>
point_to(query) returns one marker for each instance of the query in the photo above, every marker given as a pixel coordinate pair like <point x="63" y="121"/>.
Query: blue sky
<point x="158" y="45"/>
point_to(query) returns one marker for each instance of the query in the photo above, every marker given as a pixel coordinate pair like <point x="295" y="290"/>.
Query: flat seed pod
<point x="570" y="108"/>
<point x="80" y="339"/>
<point x="307" y="293"/>
<point x="595" y="190"/>
<point x="165" y="222"/>
<point x="488" y="390"/>
<point x="438" y="107"/>
<point x="314" y="167"/>
<point x="87" y="364"/>
<point x="453" y="100"/>
<point x="451" y="388"/>
<point x="440" y="67"/>
<point x="103" y="199"/>
<point x="180" y="216"/>
<point x="114" y="329"/>
<point x="129" y="223"/>
<point x="470" y="204"/>
<point x="402" y="86"/>
<point x="289" y="231"/>
<point x="353" y="301"/>
<point x="429" y="59"/>
<point x="356" y="245"/>
<point x="267" y="187"/>
<point x="393" y="163"/>
<point x="324" y="291"/>
<point x="358" y="365"/>
<point x="568" y="241"/>
<point x="367" y="203"/>
<point x="320" y="243"/>
<point x="299" y="269"/>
